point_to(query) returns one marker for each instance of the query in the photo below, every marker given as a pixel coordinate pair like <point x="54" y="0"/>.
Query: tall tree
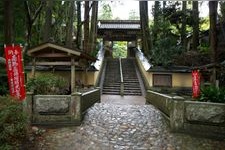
<point x="156" y="20"/>
<point x="32" y="15"/>
<point x="79" y="25"/>
<point x="164" y="9"/>
<point x="60" y="21"/>
<point x="8" y="22"/>
<point x="93" y="31"/>
<point x="213" y="36"/>
<point x="222" y="10"/>
<point x="146" y="37"/>
<point x="106" y="11"/>
<point x="86" y="25"/>
<point x="184" y="23"/>
<point x="195" y="14"/>
<point x="69" y="29"/>
<point x="48" y="21"/>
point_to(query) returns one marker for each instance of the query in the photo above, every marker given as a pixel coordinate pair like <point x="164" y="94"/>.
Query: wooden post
<point x="33" y="67"/>
<point x="72" y="75"/>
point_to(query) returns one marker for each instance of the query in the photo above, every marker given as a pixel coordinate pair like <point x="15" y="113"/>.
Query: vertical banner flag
<point x="14" y="66"/>
<point x="195" y="83"/>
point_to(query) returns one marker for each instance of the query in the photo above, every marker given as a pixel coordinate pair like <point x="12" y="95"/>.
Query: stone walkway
<point x="123" y="100"/>
<point x="110" y="126"/>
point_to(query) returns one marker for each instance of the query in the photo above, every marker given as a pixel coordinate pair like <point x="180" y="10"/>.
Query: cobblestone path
<point x="133" y="127"/>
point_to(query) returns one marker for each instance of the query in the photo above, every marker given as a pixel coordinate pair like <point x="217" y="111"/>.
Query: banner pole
<point x="23" y="72"/>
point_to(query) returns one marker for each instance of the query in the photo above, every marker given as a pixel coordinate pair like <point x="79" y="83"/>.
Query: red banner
<point x="14" y="66"/>
<point x="195" y="83"/>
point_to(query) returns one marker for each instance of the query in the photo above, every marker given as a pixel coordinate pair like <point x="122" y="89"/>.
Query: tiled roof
<point x="181" y="69"/>
<point x="119" y="25"/>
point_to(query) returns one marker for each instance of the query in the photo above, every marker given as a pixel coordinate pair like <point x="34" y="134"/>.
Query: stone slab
<point x="52" y="104"/>
<point x="205" y="112"/>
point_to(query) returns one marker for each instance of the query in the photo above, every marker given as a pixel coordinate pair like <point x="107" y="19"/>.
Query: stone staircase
<point x="111" y="85"/>
<point x="131" y="81"/>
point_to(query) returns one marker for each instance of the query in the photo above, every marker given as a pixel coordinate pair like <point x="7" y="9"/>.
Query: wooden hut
<point x="50" y="54"/>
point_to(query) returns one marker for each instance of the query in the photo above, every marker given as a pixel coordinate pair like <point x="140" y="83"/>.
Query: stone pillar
<point x="111" y="48"/>
<point x="33" y="67"/>
<point x="27" y="105"/>
<point x="72" y="75"/>
<point x="99" y="93"/>
<point x="177" y="114"/>
<point x="131" y="48"/>
<point x="128" y="49"/>
<point x="76" y="113"/>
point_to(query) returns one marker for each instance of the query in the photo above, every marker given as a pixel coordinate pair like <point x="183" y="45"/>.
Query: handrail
<point x="121" y="79"/>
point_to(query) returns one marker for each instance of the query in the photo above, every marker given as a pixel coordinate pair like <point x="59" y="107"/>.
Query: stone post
<point x="72" y="75"/>
<point x="177" y="114"/>
<point x="76" y="113"/>
<point x="99" y="94"/>
<point x="27" y="105"/>
<point x="128" y="49"/>
<point x="33" y="67"/>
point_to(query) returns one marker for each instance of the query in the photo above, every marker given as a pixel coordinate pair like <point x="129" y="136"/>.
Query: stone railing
<point x="199" y="118"/>
<point x="144" y="66"/>
<point x="121" y="79"/>
<point x="88" y="99"/>
<point x="56" y="110"/>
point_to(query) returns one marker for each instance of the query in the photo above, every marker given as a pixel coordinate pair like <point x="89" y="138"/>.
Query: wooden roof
<point x="54" y="51"/>
<point x="119" y="24"/>
<point x="170" y="69"/>
<point x="119" y="30"/>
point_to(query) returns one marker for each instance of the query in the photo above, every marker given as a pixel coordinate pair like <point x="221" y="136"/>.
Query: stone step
<point x="112" y="84"/>
<point x="137" y="94"/>
<point x="111" y="90"/>
<point x="111" y="93"/>
<point x="131" y="81"/>
<point x="132" y="88"/>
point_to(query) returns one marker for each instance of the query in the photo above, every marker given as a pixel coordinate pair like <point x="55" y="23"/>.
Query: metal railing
<point x="121" y="79"/>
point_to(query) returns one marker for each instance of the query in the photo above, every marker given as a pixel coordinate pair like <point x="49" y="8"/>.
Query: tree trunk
<point x="31" y="19"/>
<point x="146" y="37"/>
<point x="195" y="39"/>
<point x="86" y="26"/>
<point x="79" y="29"/>
<point x="213" y="36"/>
<point x="48" y="21"/>
<point x="184" y="22"/>
<point x="8" y="22"/>
<point x="69" y="26"/>
<point x="93" y="31"/>
<point x="156" y="20"/>
<point x="164" y="9"/>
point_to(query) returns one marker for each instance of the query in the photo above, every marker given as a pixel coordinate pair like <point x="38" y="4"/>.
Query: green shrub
<point x="13" y="123"/>
<point x="119" y="49"/>
<point x="4" y="90"/>
<point x="166" y="51"/>
<point x="48" y="84"/>
<point x="212" y="94"/>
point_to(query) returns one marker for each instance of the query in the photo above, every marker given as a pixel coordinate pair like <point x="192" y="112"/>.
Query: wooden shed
<point x="51" y="54"/>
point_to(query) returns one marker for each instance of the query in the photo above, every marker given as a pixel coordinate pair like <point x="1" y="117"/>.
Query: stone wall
<point x="161" y="101"/>
<point x="59" y="109"/>
<point x="179" y="80"/>
<point x="199" y="118"/>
